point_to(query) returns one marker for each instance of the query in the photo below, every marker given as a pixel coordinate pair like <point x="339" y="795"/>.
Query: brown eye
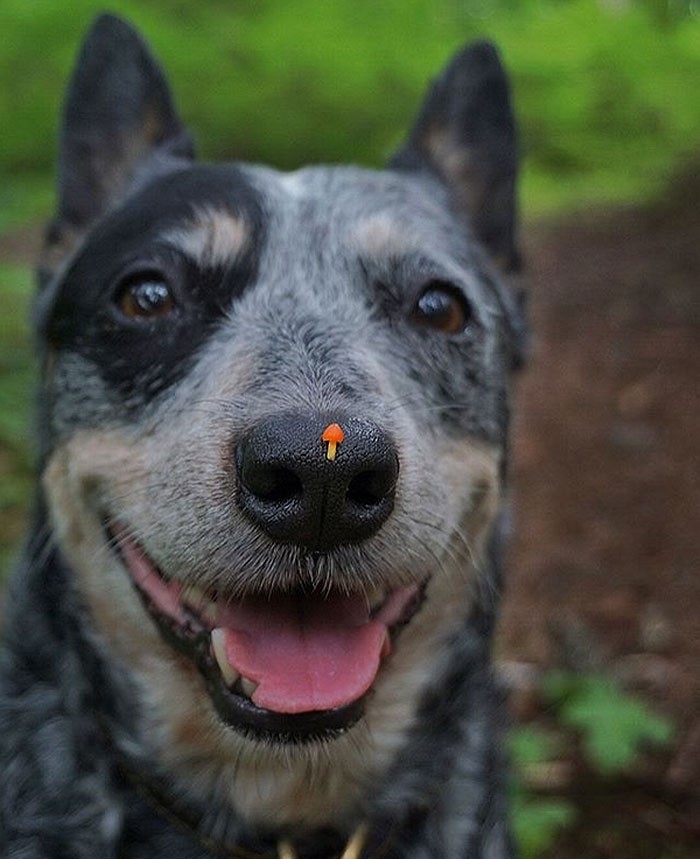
<point x="146" y="296"/>
<point x="443" y="307"/>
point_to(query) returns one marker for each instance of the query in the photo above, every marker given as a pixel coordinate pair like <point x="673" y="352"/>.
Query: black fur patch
<point x="139" y="359"/>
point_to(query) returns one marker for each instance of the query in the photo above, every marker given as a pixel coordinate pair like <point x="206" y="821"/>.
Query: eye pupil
<point x="443" y="307"/>
<point x="146" y="297"/>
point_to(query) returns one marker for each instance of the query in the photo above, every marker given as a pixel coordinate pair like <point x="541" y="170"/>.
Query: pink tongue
<point x="304" y="652"/>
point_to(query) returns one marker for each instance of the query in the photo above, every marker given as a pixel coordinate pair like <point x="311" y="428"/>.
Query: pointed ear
<point x="465" y="133"/>
<point x="118" y="115"/>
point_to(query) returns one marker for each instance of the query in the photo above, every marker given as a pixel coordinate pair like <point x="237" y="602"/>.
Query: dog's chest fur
<point x="228" y="632"/>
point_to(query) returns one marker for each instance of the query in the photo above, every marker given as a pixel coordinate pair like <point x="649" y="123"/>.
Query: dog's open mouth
<point x="292" y="666"/>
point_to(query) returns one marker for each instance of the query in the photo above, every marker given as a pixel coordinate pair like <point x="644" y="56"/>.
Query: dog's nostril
<point x="273" y="485"/>
<point x="370" y="487"/>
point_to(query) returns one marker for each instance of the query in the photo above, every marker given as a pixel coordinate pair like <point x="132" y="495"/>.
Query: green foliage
<point x="614" y="726"/>
<point x="531" y="746"/>
<point x="16" y="382"/>
<point x="23" y="198"/>
<point x="605" y="91"/>
<point x="15" y="362"/>
<point x="537" y="821"/>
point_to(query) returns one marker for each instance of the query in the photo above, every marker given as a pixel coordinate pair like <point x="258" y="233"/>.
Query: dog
<point x="254" y="613"/>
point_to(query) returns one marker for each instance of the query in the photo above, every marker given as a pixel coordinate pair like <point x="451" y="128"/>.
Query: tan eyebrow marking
<point x="379" y="235"/>
<point x="212" y="237"/>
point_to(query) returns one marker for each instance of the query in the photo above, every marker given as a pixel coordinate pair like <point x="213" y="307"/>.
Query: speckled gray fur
<point x="317" y="321"/>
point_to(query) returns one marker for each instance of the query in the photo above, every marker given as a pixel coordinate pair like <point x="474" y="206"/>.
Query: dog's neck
<point x="364" y="841"/>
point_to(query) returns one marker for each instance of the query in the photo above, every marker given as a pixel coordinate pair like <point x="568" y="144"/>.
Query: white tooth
<point x="248" y="686"/>
<point x="218" y="644"/>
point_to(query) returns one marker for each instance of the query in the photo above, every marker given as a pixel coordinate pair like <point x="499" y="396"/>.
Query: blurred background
<point x="599" y="644"/>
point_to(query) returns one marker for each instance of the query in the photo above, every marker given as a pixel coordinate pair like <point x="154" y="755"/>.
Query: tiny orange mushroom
<point x="333" y="434"/>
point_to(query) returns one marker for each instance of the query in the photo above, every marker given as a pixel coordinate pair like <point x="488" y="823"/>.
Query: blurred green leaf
<point x="615" y="726"/>
<point x="538" y="822"/>
<point x="529" y="745"/>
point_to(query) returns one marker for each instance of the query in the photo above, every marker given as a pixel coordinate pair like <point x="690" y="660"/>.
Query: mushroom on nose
<point x="333" y="434"/>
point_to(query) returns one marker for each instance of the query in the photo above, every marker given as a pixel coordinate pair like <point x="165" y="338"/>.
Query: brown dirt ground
<point x="605" y="564"/>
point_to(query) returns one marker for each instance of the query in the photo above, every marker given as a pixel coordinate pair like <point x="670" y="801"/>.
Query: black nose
<point x="291" y="486"/>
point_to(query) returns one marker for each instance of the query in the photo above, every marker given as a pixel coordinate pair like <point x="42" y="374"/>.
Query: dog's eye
<point x="145" y="296"/>
<point x="443" y="307"/>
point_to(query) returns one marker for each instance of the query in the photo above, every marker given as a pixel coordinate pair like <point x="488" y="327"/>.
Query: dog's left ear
<point x="465" y="134"/>
<point x="118" y="120"/>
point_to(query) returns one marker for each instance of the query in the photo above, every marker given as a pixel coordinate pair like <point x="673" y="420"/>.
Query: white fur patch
<point x="293" y="184"/>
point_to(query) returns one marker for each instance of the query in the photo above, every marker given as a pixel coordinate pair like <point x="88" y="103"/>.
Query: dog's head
<point x="275" y="409"/>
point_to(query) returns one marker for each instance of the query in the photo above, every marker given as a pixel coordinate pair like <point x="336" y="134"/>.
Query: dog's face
<point x="276" y="408"/>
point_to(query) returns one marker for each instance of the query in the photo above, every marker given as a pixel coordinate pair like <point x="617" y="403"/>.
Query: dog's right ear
<point x="118" y="117"/>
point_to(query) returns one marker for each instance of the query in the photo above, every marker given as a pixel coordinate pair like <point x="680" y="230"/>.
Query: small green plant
<point x="536" y="820"/>
<point x="614" y="728"/>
